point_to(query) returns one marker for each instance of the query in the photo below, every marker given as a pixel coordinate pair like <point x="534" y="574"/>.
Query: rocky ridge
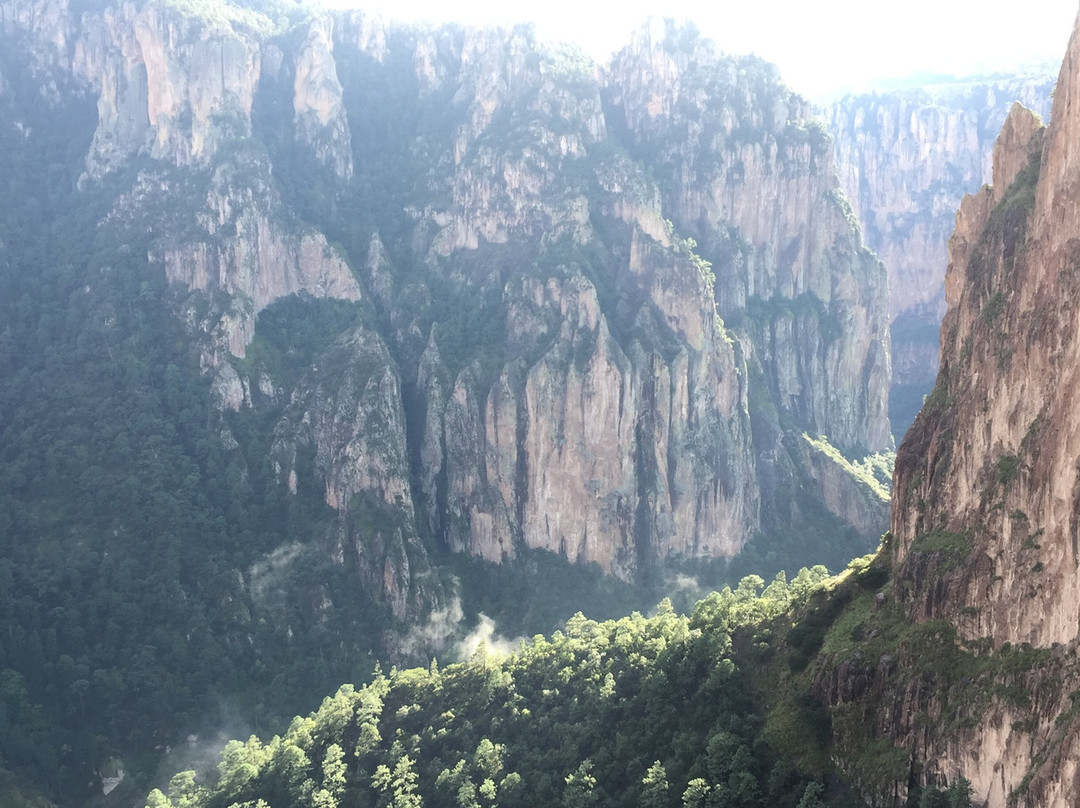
<point x="749" y="175"/>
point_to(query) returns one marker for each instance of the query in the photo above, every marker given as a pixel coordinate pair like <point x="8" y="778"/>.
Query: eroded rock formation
<point x="527" y="241"/>
<point x="985" y="505"/>
<point x="905" y="158"/>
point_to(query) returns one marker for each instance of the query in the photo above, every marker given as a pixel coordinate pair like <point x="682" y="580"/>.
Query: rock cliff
<point x="607" y="304"/>
<point x="315" y="317"/>
<point x="748" y="173"/>
<point x="985" y="507"/>
<point x="905" y="158"/>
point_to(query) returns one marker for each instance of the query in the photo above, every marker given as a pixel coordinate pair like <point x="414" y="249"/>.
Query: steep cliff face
<point x="172" y="86"/>
<point x="985" y="506"/>
<point x="517" y="233"/>
<point x="981" y="458"/>
<point x="905" y="158"/>
<point x="175" y="95"/>
<point x="660" y="493"/>
<point x="317" y="100"/>
<point x="615" y="427"/>
<point x="339" y="299"/>
<point x="747" y="174"/>
<point x="603" y="453"/>
<point x="347" y="414"/>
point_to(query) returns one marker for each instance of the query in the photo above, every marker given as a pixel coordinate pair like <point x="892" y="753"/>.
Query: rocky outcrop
<point x="348" y="414"/>
<point x="985" y="506"/>
<point x="47" y="23"/>
<point x="905" y="159"/>
<point x="975" y="474"/>
<point x="520" y="233"/>
<point x="247" y="250"/>
<point x="317" y="101"/>
<point x="749" y="175"/>
<point x="172" y="87"/>
<point x="177" y="91"/>
<point x="609" y="456"/>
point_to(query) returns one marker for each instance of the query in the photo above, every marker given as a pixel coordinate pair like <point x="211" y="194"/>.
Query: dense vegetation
<point x="713" y="710"/>
<point x="141" y="599"/>
<point x="138" y="602"/>
<point x="638" y="711"/>
<point x="124" y="515"/>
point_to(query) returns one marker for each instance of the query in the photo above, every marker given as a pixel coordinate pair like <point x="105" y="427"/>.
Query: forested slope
<point x="636" y="711"/>
<point x="720" y="708"/>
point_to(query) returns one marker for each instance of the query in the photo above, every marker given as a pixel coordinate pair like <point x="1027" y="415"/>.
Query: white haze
<point x="443" y="634"/>
<point x="437" y="633"/>
<point x="822" y="47"/>
<point x="494" y="643"/>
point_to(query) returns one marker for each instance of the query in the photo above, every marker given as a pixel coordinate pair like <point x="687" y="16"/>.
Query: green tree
<point x="397" y="788"/>
<point x="696" y="793"/>
<point x="466" y="795"/>
<point x="654" y="792"/>
<point x="333" y="780"/>
<point x="488" y="759"/>
<point x="511" y="787"/>
<point x="240" y="763"/>
<point x="960" y="793"/>
<point x="580" y="785"/>
<point x="813" y="796"/>
<point x="155" y="799"/>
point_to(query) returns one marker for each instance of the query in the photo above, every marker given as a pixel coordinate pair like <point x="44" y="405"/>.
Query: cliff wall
<point x="985" y="509"/>
<point x="606" y="302"/>
<point x="905" y="159"/>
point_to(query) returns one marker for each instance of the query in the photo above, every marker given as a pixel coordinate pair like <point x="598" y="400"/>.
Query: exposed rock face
<point x="905" y="158"/>
<point x="555" y="373"/>
<point x="985" y="507"/>
<point x="48" y="22"/>
<point x="349" y="413"/>
<point x="251" y="258"/>
<point x="970" y="446"/>
<point x="750" y="177"/>
<point x="320" y="114"/>
<point x="602" y="454"/>
<point x="172" y="87"/>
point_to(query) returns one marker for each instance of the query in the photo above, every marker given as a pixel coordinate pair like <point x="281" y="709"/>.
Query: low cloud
<point x="267" y="576"/>
<point x="485" y="634"/>
<point x="445" y="632"/>
<point x="684" y="591"/>
<point x="437" y="633"/>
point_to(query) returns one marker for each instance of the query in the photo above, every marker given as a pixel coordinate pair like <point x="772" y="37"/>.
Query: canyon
<point x="386" y="313"/>
<point x="906" y="156"/>
<point x="982" y="542"/>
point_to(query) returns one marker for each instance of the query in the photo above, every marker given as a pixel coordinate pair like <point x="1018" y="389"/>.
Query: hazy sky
<point x="820" y="45"/>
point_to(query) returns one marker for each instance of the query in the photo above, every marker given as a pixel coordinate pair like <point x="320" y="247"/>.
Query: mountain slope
<point x="314" y="326"/>
<point x="984" y="516"/>
<point x="943" y="671"/>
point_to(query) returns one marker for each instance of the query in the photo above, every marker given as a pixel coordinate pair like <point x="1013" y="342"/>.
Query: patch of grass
<point x="878" y="762"/>
<point x="874" y="471"/>
<point x="1008" y="466"/>
<point x="808" y="634"/>
<point x="851" y="623"/>
<point x="942" y="541"/>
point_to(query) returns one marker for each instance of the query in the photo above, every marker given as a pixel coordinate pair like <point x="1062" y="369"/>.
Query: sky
<point x="822" y="46"/>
